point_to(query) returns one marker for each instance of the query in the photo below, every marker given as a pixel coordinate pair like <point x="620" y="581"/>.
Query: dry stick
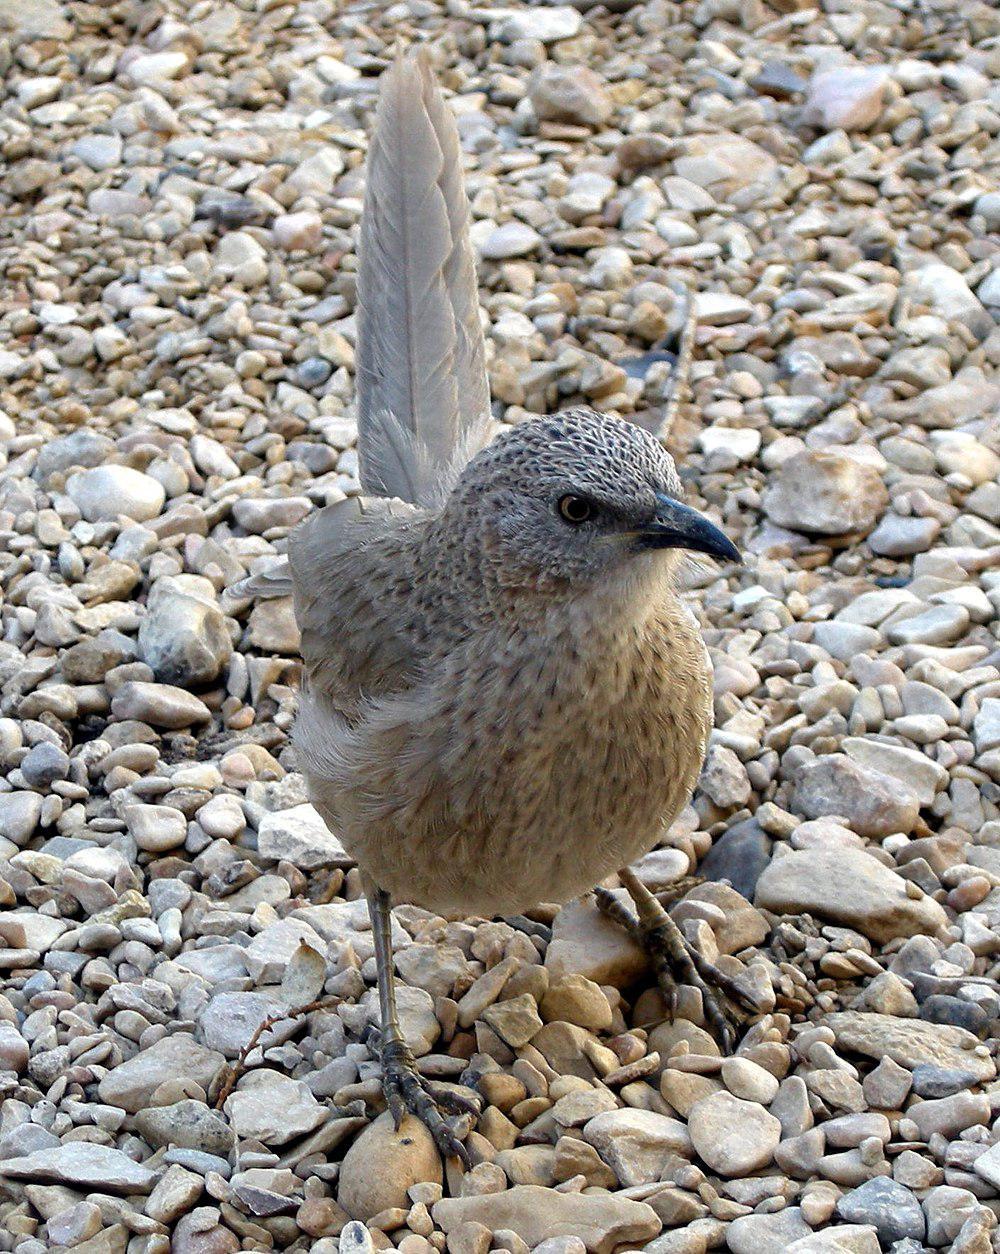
<point x="682" y="367"/>
<point x="240" y="1065"/>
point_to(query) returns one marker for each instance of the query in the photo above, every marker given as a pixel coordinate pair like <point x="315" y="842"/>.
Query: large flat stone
<point x="909" y="1042"/>
<point x="847" y="886"/>
<point x="83" y="1165"/>
<point x="177" y="1057"/>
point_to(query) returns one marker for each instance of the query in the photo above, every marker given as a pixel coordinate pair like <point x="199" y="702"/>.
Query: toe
<point x="455" y="1103"/>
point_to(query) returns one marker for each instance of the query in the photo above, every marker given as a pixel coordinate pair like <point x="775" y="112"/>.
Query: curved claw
<point x="454" y="1103"/>
<point x="675" y="960"/>
<point x="406" y="1091"/>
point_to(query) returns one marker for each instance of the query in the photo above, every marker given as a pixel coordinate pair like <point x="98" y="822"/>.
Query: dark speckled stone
<point x="739" y="855"/>
<point x="940" y="1008"/>
<point x="933" y="1081"/>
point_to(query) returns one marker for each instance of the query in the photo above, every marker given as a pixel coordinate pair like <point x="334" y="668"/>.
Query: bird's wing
<point x="274" y="581"/>
<point x="423" y="393"/>
<point x="349" y="564"/>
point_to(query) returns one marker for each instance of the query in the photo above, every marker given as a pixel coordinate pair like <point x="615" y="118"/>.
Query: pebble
<point x="132" y="1083"/>
<point x="766" y="1234"/>
<point x="874" y="804"/>
<point x="567" y="93"/>
<point x="271" y="1107"/>
<point x="638" y="1145"/>
<point x="20" y="813"/>
<point x="383" y="1163"/>
<point x="161" y="705"/>
<point x="513" y="239"/>
<point x="107" y="492"/>
<point x="298" y="231"/>
<point x="183" y="638"/>
<point x="156" y="828"/>
<point x="825" y="493"/>
<point x="299" y="835"/>
<point x="845" y="98"/>
<point x="547" y="25"/>
<point x="909" y="1042"/>
<point x="732" y="1136"/>
<point x="83" y="1165"/>
<point x="892" y="1210"/>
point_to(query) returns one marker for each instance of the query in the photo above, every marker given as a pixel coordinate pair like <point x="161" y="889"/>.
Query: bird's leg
<point x="675" y="960"/>
<point x="405" y="1089"/>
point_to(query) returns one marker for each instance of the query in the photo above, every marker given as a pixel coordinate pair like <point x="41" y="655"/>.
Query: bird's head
<point x="576" y="499"/>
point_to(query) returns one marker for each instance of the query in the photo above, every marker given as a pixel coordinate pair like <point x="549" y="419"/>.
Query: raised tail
<point x="423" y="393"/>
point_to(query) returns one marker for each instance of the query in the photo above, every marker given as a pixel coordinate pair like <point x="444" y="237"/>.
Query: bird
<point x="505" y="700"/>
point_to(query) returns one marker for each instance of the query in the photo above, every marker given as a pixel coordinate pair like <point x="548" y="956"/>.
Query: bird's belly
<point x="555" y="824"/>
<point x="534" y="793"/>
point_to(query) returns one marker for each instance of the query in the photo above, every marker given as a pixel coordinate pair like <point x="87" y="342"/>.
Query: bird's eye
<point x="575" y="509"/>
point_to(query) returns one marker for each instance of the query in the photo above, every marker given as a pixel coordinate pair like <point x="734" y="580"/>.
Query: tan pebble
<point x="383" y="1163"/>
<point x="321" y="1217"/>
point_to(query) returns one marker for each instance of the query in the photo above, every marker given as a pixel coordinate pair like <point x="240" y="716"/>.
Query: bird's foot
<point x="677" y="961"/>
<point x="406" y="1090"/>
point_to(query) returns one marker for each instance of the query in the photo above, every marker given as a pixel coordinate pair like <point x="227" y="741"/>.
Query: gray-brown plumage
<point x="505" y="699"/>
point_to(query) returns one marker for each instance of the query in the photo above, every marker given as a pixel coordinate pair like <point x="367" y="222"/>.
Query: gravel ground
<point x="179" y="197"/>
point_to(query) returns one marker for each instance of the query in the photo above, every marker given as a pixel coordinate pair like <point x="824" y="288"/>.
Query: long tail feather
<point x="423" y="396"/>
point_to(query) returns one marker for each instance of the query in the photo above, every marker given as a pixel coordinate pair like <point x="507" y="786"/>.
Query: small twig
<point x="682" y="367"/>
<point x="233" y="1073"/>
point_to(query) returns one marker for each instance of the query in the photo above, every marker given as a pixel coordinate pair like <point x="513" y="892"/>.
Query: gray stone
<point x="188" y="1124"/>
<point x="230" y="1019"/>
<point x="766" y="1234"/>
<point x="896" y="536"/>
<point x="299" y="835"/>
<point x="874" y="804"/>
<point x="106" y="492"/>
<point x="845" y="640"/>
<point x="931" y="1081"/>
<point x="847" y="97"/>
<point x="80" y="448"/>
<point x="638" y="1145"/>
<point x="985" y="727"/>
<point x="178" y="1057"/>
<point x="739" y="855"/>
<point x="889" y="1207"/>
<point x="83" y="1165"/>
<point x="603" y="1222"/>
<point x="945" y="290"/>
<point x="569" y="93"/>
<point x="941" y="624"/>
<point x="732" y="1136"/>
<point x="20" y="813"/>
<point x="160" y="705"/>
<point x="947" y="1208"/>
<point x="183" y="637"/>
<point x="273" y="1108"/>
<point x="44" y="764"/>
<point x="840" y="1239"/>
<point x="825" y="493"/>
<point x="547" y="25"/>
<point x="513" y="239"/>
<point x="156" y="828"/>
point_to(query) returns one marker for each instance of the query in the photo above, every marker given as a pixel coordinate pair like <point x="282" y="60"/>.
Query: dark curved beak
<point x="678" y="526"/>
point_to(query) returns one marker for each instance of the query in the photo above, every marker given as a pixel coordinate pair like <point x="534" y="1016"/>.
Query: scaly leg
<point x="405" y="1089"/>
<point x="676" y="960"/>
